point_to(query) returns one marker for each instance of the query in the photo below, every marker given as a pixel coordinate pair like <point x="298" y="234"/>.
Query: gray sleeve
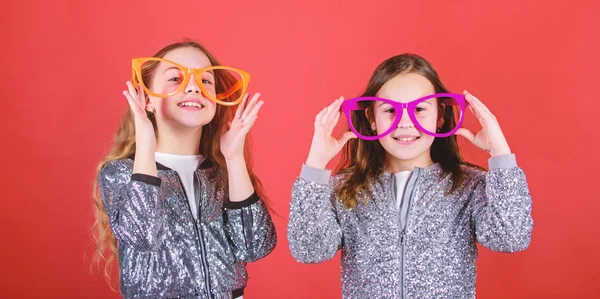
<point x="250" y="229"/>
<point x="134" y="206"/>
<point x="502" y="207"/>
<point x="314" y="233"/>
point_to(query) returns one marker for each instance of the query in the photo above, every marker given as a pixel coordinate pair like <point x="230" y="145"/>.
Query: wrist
<point x="500" y="151"/>
<point x="144" y="152"/>
<point x="316" y="162"/>
<point x="235" y="160"/>
<point x="145" y="163"/>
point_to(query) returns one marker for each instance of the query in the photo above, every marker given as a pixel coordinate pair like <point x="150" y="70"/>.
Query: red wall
<point x="64" y="66"/>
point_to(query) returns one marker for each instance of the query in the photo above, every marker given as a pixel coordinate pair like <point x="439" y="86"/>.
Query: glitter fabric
<point x="164" y="252"/>
<point x="434" y="255"/>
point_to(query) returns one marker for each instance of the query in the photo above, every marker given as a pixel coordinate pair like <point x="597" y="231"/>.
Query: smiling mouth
<point x="406" y="139"/>
<point x="191" y="104"/>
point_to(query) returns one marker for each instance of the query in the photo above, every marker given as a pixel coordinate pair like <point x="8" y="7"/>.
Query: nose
<point x="192" y="85"/>
<point x="405" y="121"/>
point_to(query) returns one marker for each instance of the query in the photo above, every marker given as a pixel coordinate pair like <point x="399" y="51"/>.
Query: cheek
<point x="427" y="140"/>
<point x="212" y="106"/>
<point x="428" y="121"/>
<point x="210" y="88"/>
<point x="161" y="88"/>
<point x="166" y="89"/>
<point x="165" y="104"/>
<point x="164" y="86"/>
<point x="383" y="121"/>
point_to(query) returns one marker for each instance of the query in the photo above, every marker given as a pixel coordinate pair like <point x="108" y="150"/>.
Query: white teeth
<point x="190" y="104"/>
<point x="405" y="139"/>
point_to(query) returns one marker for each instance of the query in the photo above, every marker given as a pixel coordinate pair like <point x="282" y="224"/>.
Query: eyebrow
<point x="174" y="67"/>
<point x="170" y="68"/>
<point x="426" y="101"/>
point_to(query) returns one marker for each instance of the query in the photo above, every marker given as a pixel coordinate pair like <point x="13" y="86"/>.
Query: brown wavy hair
<point x="124" y="146"/>
<point x="362" y="161"/>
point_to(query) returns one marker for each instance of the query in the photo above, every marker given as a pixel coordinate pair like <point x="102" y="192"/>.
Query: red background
<point x="64" y="63"/>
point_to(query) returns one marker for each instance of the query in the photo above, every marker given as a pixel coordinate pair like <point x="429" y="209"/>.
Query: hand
<point x="232" y="142"/>
<point x="145" y="139"/>
<point x="324" y="146"/>
<point x="490" y="138"/>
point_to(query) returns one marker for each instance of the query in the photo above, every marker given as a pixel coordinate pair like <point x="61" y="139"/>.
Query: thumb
<point x="346" y="136"/>
<point x="466" y="133"/>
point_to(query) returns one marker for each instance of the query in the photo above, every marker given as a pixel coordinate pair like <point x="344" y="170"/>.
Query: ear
<point x="368" y="114"/>
<point x="440" y="121"/>
<point x="149" y="106"/>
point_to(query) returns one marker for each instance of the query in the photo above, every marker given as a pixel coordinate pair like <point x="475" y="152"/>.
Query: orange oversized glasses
<point x="221" y="84"/>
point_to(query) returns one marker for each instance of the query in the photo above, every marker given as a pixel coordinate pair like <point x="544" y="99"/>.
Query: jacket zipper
<point x="199" y="238"/>
<point x="202" y="244"/>
<point x="403" y="233"/>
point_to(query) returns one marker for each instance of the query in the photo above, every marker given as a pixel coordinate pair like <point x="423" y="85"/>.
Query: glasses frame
<point x="350" y="105"/>
<point x="136" y="74"/>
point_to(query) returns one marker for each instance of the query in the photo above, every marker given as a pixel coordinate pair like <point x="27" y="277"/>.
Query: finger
<point x="320" y="115"/>
<point x="135" y="109"/>
<point x="131" y="89"/>
<point x="345" y="137"/>
<point x="254" y="110"/>
<point x="329" y="112"/>
<point x="240" y="108"/>
<point x="320" y="119"/>
<point x="141" y="97"/>
<point x="335" y="106"/>
<point x="473" y="111"/>
<point x="476" y="103"/>
<point x="472" y="104"/>
<point x="481" y="104"/>
<point x="333" y="122"/>
<point x="467" y="134"/>
<point x="249" y="124"/>
<point x="133" y="92"/>
<point x="250" y="105"/>
<point x="477" y="109"/>
<point x="332" y="111"/>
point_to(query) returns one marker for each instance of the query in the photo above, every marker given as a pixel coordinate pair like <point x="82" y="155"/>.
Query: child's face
<point x="406" y="142"/>
<point x="188" y="108"/>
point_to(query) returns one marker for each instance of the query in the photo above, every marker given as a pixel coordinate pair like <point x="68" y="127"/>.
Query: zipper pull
<point x="402" y="237"/>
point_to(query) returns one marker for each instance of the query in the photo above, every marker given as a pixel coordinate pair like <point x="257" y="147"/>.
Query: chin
<point x="405" y="152"/>
<point x="194" y="125"/>
<point x="405" y="156"/>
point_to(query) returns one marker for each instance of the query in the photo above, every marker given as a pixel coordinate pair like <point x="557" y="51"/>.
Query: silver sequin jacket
<point x="163" y="251"/>
<point x="425" y="249"/>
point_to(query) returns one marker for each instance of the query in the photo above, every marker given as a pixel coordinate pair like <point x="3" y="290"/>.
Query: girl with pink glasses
<point x="405" y="209"/>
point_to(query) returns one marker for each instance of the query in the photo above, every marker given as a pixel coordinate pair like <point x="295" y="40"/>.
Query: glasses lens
<point x="161" y="77"/>
<point x="428" y="112"/>
<point x="224" y="84"/>
<point x="363" y="114"/>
